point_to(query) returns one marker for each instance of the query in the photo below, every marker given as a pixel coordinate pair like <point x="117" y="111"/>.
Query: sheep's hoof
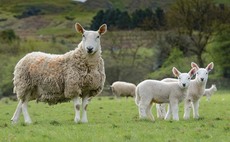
<point x="84" y="121"/>
<point x="28" y="122"/>
<point x="77" y="120"/>
<point x="14" y="121"/>
<point x="186" y="118"/>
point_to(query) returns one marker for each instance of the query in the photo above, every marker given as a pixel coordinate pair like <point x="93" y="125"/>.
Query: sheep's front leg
<point x="25" y="112"/>
<point x="187" y="108"/>
<point x="77" y="106"/>
<point x="17" y="112"/>
<point x="169" y="112"/>
<point x="174" y="108"/>
<point x="196" y="109"/>
<point x="85" y="103"/>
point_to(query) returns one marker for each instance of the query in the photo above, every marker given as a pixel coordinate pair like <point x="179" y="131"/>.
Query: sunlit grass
<point x="115" y="120"/>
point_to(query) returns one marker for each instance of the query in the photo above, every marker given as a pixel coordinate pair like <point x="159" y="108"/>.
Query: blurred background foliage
<point x="145" y="39"/>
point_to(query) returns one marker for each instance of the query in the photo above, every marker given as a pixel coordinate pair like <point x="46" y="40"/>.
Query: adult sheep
<point x="120" y="88"/>
<point x="76" y="75"/>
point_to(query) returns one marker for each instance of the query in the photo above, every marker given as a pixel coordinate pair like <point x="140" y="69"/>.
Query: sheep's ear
<point x="176" y="72"/>
<point x="79" y="28"/>
<point x="102" y="29"/>
<point x="210" y="66"/>
<point x="192" y="72"/>
<point x="194" y="65"/>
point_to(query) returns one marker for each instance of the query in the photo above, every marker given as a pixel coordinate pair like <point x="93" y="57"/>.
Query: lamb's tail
<point x="137" y="99"/>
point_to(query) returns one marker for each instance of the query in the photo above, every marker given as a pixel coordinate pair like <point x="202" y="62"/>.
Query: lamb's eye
<point x="179" y="78"/>
<point x="206" y="73"/>
<point x="98" y="36"/>
<point x="189" y="78"/>
<point x="83" y="35"/>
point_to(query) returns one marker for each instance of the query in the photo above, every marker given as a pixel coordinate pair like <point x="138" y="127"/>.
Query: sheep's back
<point x="39" y="73"/>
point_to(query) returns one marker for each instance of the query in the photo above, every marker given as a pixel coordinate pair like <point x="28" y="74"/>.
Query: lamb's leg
<point x="196" y="109"/>
<point x="77" y="106"/>
<point x="208" y="97"/>
<point x="161" y="112"/>
<point x="187" y="109"/>
<point x="169" y="112"/>
<point x="17" y="112"/>
<point x="143" y="105"/>
<point x="85" y="102"/>
<point x="149" y="112"/>
<point x="174" y="108"/>
<point x="25" y="112"/>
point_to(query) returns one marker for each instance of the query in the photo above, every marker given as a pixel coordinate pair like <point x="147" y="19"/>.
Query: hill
<point x="42" y="17"/>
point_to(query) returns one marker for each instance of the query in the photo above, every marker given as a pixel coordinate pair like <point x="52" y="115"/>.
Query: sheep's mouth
<point x="90" y="51"/>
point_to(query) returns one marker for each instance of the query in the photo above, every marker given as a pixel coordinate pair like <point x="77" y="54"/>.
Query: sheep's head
<point x="214" y="87"/>
<point x="91" y="39"/>
<point x="202" y="73"/>
<point x="184" y="78"/>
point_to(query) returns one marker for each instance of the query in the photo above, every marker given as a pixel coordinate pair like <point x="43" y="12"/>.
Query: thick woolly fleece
<point x="58" y="78"/>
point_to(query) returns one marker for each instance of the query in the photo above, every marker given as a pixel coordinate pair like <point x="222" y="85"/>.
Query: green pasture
<point x="115" y="120"/>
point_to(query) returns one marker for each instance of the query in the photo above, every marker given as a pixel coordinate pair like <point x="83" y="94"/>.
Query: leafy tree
<point x="98" y="20"/>
<point x="199" y="20"/>
<point x="160" y="16"/>
<point x="220" y="51"/>
<point x="8" y="35"/>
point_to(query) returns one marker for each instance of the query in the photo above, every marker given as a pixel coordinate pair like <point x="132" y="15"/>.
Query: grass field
<point x="115" y="120"/>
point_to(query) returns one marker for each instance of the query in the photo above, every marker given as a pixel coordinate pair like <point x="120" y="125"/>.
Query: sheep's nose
<point x="90" y="49"/>
<point x="202" y="79"/>
<point x="184" y="84"/>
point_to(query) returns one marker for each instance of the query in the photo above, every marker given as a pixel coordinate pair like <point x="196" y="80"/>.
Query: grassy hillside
<point x="115" y="120"/>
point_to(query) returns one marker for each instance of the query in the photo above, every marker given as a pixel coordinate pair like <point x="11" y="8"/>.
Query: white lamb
<point x="210" y="91"/>
<point x="59" y="78"/>
<point x="150" y="91"/>
<point x="120" y="88"/>
<point x="195" y="90"/>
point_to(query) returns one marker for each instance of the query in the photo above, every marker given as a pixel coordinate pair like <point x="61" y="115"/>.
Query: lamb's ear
<point x="194" y="65"/>
<point x="192" y="71"/>
<point x="210" y="66"/>
<point x="176" y="72"/>
<point x="102" y="29"/>
<point x="79" y="28"/>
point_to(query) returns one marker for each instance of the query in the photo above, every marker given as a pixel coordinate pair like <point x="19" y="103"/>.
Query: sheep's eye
<point x="83" y="35"/>
<point x="98" y="36"/>
<point x="189" y="78"/>
<point x="206" y="73"/>
<point x="179" y="78"/>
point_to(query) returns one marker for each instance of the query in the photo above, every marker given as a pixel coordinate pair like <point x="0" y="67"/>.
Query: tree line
<point x="145" y="19"/>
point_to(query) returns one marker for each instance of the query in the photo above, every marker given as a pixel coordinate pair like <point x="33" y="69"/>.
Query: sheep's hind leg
<point x="17" y="112"/>
<point x="149" y="112"/>
<point x="77" y="106"/>
<point x="25" y="112"/>
<point x="143" y="109"/>
<point x="85" y="102"/>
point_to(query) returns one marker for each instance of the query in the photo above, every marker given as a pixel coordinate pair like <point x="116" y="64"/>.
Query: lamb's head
<point x="214" y="87"/>
<point x="91" y="39"/>
<point x="202" y="73"/>
<point x="184" y="78"/>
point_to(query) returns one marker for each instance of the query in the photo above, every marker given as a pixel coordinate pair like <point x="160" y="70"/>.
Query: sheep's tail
<point x="137" y="99"/>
